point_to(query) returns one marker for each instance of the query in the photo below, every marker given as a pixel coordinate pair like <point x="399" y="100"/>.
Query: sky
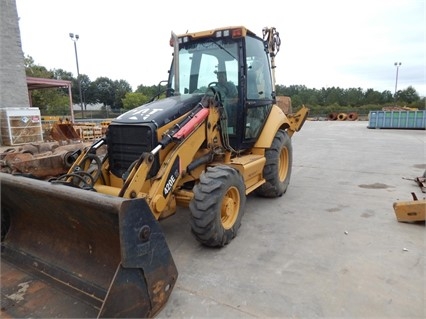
<point x="346" y="43"/>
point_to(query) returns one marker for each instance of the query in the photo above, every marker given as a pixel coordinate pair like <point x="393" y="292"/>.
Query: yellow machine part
<point x="410" y="211"/>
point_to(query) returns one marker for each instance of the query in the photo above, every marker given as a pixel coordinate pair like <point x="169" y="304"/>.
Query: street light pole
<point x="75" y="38"/>
<point x="397" y="64"/>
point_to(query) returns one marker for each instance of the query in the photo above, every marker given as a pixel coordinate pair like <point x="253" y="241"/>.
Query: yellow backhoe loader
<point x="89" y="243"/>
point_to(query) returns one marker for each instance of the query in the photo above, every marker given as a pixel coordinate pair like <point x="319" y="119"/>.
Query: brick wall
<point x="13" y="85"/>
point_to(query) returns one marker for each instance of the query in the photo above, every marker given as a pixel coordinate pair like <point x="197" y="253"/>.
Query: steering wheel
<point x="213" y="91"/>
<point x="213" y="84"/>
<point x="218" y="89"/>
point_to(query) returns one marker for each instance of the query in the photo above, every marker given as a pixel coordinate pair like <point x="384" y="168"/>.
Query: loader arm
<point x="187" y="141"/>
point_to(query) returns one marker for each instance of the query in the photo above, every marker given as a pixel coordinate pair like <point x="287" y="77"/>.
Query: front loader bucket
<point x="74" y="253"/>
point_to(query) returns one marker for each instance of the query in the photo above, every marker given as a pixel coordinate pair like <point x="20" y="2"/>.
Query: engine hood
<point x="160" y="112"/>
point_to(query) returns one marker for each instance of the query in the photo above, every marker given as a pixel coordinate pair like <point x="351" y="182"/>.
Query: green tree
<point x="104" y="91"/>
<point x="49" y="101"/>
<point x="150" y="91"/>
<point x="61" y="74"/>
<point x="372" y="97"/>
<point x="121" y="88"/>
<point x="333" y="96"/>
<point x="387" y="97"/>
<point x="132" y="100"/>
<point x="34" y="70"/>
<point x="409" y="95"/>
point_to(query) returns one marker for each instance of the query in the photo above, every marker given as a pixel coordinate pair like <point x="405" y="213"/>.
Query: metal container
<point x="20" y="126"/>
<point x="397" y="119"/>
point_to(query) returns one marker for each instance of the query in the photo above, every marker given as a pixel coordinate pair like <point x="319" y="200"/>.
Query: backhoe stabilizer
<point x="86" y="254"/>
<point x="297" y="120"/>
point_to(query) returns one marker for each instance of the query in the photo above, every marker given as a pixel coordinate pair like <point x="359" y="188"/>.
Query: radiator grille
<point x="126" y="143"/>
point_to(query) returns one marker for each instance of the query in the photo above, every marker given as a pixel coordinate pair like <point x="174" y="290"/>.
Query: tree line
<point x="118" y="96"/>
<point x="109" y="93"/>
<point x="335" y="99"/>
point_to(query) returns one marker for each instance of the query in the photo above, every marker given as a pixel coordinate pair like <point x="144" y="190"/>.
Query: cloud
<point x="324" y="43"/>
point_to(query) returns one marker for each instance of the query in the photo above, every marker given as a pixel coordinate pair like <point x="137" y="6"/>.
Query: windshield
<point x="259" y="81"/>
<point x="237" y="70"/>
<point x="204" y="64"/>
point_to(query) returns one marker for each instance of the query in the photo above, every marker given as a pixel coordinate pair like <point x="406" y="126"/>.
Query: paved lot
<point x="330" y="247"/>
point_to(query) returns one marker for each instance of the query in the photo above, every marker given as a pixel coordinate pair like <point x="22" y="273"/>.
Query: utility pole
<point x="75" y="38"/>
<point x="397" y="64"/>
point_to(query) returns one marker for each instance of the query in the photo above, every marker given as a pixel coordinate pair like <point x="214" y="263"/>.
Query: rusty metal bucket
<point x="63" y="132"/>
<point x="72" y="253"/>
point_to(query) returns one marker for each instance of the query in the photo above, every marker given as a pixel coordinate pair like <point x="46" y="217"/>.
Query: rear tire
<point x="217" y="206"/>
<point x="277" y="170"/>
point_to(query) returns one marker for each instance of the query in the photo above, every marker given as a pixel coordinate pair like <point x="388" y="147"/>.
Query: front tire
<point x="277" y="170"/>
<point x="217" y="206"/>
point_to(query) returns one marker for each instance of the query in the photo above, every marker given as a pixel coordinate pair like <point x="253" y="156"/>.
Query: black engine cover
<point x="135" y="131"/>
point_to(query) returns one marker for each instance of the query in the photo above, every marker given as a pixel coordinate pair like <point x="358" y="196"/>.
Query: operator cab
<point x="234" y="64"/>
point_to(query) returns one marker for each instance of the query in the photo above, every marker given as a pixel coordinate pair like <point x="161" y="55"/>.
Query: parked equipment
<point x="414" y="210"/>
<point x="215" y="137"/>
<point x="40" y="160"/>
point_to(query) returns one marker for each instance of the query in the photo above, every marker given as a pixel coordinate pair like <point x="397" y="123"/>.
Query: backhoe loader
<point x="89" y="243"/>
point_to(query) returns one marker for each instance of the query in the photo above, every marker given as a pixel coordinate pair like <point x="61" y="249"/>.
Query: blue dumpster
<point x="397" y="119"/>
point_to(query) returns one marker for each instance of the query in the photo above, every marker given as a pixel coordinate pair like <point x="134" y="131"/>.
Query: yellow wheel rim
<point x="283" y="164"/>
<point x="230" y="207"/>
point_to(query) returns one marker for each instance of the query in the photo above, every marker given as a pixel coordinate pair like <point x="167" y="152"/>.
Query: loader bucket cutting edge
<point x="75" y="253"/>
